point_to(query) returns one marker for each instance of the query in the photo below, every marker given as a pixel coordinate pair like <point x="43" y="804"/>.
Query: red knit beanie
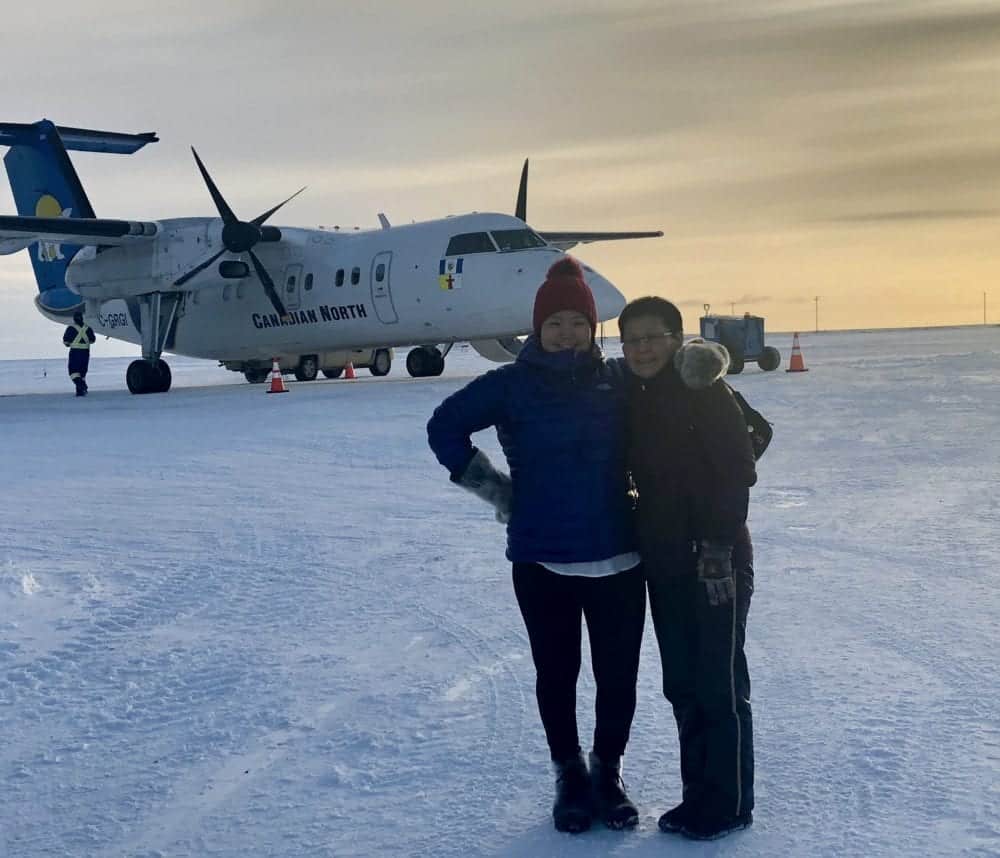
<point x="564" y="289"/>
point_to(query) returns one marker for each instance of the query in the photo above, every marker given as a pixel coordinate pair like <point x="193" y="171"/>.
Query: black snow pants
<point x="78" y="362"/>
<point x="706" y="680"/>
<point x="553" y="606"/>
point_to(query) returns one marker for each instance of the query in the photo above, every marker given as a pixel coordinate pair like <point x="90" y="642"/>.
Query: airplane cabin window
<point x="355" y="276"/>
<point x="380" y="272"/>
<point x="309" y="282"/>
<point x="516" y="239"/>
<point x="470" y="242"/>
<point x="339" y="281"/>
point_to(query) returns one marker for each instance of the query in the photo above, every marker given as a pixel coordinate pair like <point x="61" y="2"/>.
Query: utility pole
<point x="732" y="308"/>
<point x="816" y="299"/>
<point x="984" y="308"/>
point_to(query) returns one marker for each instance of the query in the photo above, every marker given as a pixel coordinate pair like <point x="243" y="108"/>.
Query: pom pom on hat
<point x="564" y="289"/>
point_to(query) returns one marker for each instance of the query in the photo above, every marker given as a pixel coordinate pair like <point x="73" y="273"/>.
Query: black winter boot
<point x="672" y="822"/>
<point x="610" y="801"/>
<point x="573" y="807"/>
<point x="712" y="827"/>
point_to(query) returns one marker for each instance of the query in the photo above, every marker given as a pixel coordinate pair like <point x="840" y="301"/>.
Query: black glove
<point x="486" y="482"/>
<point x="715" y="571"/>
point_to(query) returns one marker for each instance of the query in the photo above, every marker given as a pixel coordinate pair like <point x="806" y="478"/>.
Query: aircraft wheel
<point x="418" y="362"/>
<point x="256" y="376"/>
<point x="308" y="368"/>
<point x="139" y="377"/>
<point x="135" y="376"/>
<point x="770" y="359"/>
<point x="334" y="373"/>
<point x="144" y="377"/>
<point x="381" y="364"/>
<point x="437" y="364"/>
<point x="162" y="375"/>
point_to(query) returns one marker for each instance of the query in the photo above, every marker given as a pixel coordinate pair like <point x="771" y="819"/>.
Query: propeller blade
<point x="224" y="211"/>
<point x="257" y="221"/>
<point x="521" y="208"/>
<point x="268" y="284"/>
<point x="180" y="281"/>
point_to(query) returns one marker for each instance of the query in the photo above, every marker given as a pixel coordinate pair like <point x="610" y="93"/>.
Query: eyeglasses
<point x="649" y="340"/>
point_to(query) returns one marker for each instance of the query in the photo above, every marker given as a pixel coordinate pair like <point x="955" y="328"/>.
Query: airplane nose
<point x="610" y="302"/>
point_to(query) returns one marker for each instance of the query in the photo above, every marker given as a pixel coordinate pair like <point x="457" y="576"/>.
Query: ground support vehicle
<point x="308" y="367"/>
<point x="743" y="337"/>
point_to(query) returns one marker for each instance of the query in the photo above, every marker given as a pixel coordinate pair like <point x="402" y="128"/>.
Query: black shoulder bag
<point x="758" y="427"/>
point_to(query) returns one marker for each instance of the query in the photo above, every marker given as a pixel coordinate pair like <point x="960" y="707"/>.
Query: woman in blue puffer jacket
<point x="559" y="412"/>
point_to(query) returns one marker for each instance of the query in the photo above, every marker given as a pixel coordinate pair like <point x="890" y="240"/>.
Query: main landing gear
<point x="157" y="315"/>
<point x="143" y="376"/>
<point x="424" y="361"/>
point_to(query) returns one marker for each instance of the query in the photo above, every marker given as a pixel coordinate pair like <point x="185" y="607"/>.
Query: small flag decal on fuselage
<point x="450" y="273"/>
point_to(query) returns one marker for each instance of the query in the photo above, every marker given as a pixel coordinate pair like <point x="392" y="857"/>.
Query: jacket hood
<point x="700" y="364"/>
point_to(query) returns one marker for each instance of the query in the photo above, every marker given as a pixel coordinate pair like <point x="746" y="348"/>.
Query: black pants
<point x="706" y="680"/>
<point x="615" y="609"/>
<point x="77" y="363"/>
<point x="79" y="360"/>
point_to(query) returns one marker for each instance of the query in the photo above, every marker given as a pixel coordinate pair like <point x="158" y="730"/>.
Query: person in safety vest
<point x="78" y="338"/>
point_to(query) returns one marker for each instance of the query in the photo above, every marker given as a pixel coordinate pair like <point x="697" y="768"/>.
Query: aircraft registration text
<point x="113" y="320"/>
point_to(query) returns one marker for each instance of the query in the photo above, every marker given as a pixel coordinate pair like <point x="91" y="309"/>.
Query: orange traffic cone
<point x="796" y="364"/>
<point x="277" y="382"/>
<point x="349" y="370"/>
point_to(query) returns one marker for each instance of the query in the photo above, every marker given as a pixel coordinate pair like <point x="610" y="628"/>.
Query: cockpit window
<point x="470" y="242"/>
<point x="516" y="239"/>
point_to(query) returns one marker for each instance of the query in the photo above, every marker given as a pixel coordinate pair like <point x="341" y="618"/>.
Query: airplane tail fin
<point x="45" y="184"/>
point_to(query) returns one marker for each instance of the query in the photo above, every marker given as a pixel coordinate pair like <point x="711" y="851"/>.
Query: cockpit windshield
<point x="516" y="239"/>
<point x="470" y="242"/>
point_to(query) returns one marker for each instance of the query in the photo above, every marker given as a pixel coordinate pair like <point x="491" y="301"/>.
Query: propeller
<point x="521" y="206"/>
<point x="241" y="237"/>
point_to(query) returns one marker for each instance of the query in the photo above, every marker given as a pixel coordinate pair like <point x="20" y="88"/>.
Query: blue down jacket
<point x="561" y="421"/>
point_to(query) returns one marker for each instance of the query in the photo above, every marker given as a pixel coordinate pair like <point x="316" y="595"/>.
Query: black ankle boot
<point x="573" y="806"/>
<point x="610" y="801"/>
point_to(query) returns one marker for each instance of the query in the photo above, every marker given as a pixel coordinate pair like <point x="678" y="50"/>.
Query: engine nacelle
<point x="140" y="267"/>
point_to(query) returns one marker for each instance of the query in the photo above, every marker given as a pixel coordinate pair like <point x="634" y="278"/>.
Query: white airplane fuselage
<point x="395" y="286"/>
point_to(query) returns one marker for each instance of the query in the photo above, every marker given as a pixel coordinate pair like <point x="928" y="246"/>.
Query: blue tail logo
<point x="48" y="206"/>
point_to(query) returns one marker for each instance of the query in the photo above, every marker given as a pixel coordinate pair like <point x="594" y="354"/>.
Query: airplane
<point x="241" y="291"/>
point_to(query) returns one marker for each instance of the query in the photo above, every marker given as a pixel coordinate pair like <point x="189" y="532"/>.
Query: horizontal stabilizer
<point x="18" y="232"/>
<point x="566" y="240"/>
<point x="79" y="139"/>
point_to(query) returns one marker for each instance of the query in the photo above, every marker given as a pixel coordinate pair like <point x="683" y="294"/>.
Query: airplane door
<point x="291" y="290"/>
<point x="381" y="292"/>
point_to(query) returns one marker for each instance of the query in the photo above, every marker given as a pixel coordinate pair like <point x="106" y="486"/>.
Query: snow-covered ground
<point x="237" y="624"/>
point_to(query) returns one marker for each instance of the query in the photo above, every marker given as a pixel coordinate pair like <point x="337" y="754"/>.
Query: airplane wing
<point x="16" y="233"/>
<point x="566" y="240"/>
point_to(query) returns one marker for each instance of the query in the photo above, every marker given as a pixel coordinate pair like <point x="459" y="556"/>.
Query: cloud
<point x="917" y="215"/>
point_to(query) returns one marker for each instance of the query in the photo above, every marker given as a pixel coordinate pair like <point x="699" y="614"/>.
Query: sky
<point x="789" y="149"/>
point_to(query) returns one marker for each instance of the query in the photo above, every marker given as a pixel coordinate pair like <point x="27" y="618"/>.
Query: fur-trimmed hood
<point x="700" y="364"/>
